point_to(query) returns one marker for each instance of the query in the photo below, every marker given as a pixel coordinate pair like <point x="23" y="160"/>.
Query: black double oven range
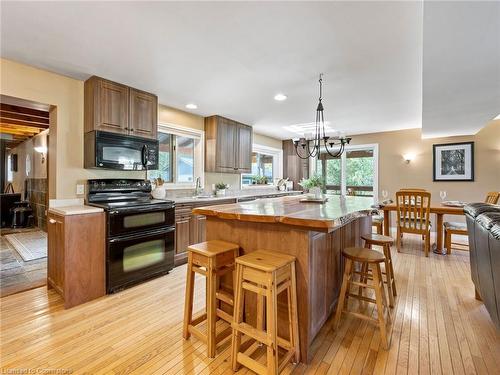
<point x="140" y="231"/>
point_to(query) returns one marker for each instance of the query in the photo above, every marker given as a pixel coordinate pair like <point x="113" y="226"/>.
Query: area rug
<point x="30" y="245"/>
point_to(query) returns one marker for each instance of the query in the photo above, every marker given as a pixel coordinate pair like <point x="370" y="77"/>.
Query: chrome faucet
<point x="198" y="188"/>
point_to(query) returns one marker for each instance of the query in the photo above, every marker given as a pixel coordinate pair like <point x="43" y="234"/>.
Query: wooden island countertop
<point x="313" y="233"/>
<point x="291" y="211"/>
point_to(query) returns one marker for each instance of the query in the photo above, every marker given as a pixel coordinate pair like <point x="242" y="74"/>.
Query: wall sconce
<point x="409" y="157"/>
<point x="41" y="150"/>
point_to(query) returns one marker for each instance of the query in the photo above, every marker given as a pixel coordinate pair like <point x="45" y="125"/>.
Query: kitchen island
<point x="314" y="233"/>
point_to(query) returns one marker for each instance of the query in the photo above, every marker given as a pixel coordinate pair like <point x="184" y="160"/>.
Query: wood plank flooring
<point x="438" y="328"/>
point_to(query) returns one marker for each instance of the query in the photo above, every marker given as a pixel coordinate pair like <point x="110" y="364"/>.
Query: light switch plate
<point x="80" y="189"/>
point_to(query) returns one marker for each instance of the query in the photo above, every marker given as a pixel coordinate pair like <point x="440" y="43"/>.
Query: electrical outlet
<point x="80" y="189"/>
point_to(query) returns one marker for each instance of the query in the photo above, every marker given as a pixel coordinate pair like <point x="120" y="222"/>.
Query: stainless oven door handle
<point x="134" y="210"/>
<point x="145" y="156"/>
<point x="142" y="235"/>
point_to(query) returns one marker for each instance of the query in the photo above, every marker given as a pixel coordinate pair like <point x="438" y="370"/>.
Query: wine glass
<point x="442" y="194"/>
<point x="385" y="194"/>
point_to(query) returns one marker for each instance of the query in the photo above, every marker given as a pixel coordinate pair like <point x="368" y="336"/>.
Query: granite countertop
<point x="232" y="195"/>
<point x="337" y="211"/>
<point x="74" y="210"/>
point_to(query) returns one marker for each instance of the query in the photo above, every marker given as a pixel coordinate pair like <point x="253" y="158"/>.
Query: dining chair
<point x="451" y="228"/>
<point x="413" y="216"/>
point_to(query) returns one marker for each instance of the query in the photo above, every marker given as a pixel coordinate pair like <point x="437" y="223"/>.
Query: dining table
<point x="438" y="209"/>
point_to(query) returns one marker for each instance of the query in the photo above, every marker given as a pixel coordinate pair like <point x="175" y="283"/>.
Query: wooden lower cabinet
<point x="76" y="266"/>
<point x="181" y="241"/>
<point x="197" y="228"/>
<point x="190" y="228"/>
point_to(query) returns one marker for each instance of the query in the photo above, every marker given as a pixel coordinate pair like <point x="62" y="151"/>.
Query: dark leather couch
<point x="483" y="225"/>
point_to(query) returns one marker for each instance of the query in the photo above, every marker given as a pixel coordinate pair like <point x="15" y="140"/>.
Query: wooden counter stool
<point x="377" y="222"/>
<point x="267" y="274"/>
<point x="386" y="243"/>
<point x="373" y="259"/>
<point x="211" y="259"/>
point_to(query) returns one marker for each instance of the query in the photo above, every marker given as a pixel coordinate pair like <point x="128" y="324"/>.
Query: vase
<point x="220" y="192"/>
<point x="159" y="192"/>
<point x="315" y="192"/>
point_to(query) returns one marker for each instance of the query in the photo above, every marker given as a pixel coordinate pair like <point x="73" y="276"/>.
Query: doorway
<point x="24" y="131"/>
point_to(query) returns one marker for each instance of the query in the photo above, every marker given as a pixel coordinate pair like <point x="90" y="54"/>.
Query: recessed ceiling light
<point x="497" y="118"/>
<point x="191" y="106"/>
<point x="280" y="97"/>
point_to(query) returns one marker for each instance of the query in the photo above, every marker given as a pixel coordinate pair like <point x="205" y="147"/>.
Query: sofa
<point x="483" y="226"/>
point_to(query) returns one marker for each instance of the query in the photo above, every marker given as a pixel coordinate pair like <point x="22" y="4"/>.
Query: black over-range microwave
<point x="123" y="152"/>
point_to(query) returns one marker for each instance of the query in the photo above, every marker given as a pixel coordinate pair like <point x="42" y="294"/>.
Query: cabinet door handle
<point x="52" y="221"/>
<point x="131" y="129"/>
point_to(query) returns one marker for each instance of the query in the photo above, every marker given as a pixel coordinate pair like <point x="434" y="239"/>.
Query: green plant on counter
<point x="221" y="186"/>
<point x="312" y="182"/>
<point x="260" y="180"/>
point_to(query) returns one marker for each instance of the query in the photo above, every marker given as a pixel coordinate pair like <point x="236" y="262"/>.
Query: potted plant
<point x="260" y="180"/>
<point x="220" y="189"/>
<point x="314" y="185"/>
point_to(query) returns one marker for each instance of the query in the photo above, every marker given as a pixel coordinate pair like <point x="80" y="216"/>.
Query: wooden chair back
<point x="413" y="209"/>
<point x="492" y="197"/>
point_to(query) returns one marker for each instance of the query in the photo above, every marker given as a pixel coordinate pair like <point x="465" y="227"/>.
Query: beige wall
<point x="66" y="130"/>
<point x="395" y="173"/>
<point x="264" y="140"/>
<point x="173" y="116"/>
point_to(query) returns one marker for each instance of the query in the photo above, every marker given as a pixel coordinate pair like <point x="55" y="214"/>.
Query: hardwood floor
<point x="438" y="327"/>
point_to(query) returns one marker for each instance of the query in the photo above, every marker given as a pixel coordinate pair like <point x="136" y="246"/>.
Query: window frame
<point x="343" y="165"/>
<point x="277" y="154"/>
<point x="199" y="154"/>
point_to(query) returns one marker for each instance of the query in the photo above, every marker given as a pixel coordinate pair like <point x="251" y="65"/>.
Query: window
<point x="266" y="166"/>
<point x="180" y="156"/>
<point x="10" y="175"/>
<point x="185" y="159"/>
<point x="331" y="169"/>
<point x="359" y="165"/>
<point x="355" y="172"/>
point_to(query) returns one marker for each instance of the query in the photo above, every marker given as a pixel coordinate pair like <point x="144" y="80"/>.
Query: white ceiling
<point x="232" y="58"/>
<point x="461" y="70"/>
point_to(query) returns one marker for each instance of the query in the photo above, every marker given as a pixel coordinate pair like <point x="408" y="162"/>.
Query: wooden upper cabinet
<point x="143" y="118"/>
<point x="116" y="108"/>
<point x="294" y="167"/>
<point x="244" y="155"/>
<point x="106" y="106"/>
<point x="228" y="146"/>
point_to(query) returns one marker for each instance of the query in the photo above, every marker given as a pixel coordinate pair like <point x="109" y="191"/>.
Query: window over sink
<point x="267" y="167"/>
<point x="180" y="156"/>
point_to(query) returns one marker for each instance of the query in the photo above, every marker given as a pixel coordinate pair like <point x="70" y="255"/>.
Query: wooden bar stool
<point x="267" y="274"/>
<point x="373" y="259"/>
<point x="386" y="242"/>
<point x="377" y="222"/>
<point x="211" y="259"/>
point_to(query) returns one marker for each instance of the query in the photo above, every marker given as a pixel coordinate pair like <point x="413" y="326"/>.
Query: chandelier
<point x="310" y="146"/>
